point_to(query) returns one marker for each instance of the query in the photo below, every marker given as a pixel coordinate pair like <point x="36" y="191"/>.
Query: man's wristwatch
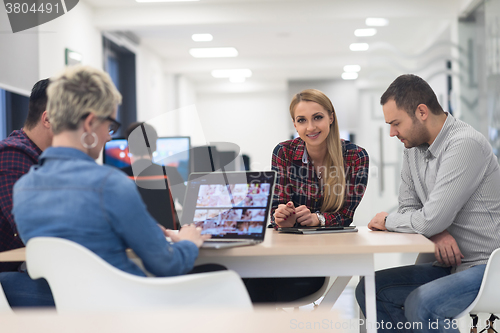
<point x="321" y="219"/>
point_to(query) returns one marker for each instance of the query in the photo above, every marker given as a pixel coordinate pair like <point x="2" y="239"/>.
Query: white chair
<point x="488" y="297"/>
<point x="4" y="304"/>
<point x="82" y="281"/>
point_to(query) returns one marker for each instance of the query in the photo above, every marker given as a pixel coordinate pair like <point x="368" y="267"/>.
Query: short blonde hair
<point x="78" y="91"/>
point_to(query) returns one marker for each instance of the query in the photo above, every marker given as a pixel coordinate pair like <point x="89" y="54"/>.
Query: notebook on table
<point x="317" y="230"/>
<point x="233" y="207"/>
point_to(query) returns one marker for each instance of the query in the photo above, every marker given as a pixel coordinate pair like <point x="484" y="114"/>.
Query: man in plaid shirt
<point x="18" y="152"/>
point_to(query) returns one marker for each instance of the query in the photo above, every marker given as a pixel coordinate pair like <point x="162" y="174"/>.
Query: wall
<point x="74" y="30"/>
<point x="155" y="90"/>
<point x="343" y="94"/>
<point x="255" y="121"/>
<point x="18" y="57"/>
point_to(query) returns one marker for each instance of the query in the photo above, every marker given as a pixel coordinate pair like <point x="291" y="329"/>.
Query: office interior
<point x="288" y="46"/>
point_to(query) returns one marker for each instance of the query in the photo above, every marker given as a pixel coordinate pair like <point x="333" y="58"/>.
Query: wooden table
<point x="291" y="255"/>
<point x="342" y="255"/>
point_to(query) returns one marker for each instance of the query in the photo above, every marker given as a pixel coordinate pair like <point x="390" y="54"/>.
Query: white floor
<point x="346" y="306"/>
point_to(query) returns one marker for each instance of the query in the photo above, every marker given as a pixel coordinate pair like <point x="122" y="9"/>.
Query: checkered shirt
<point x="297" y="180"/>
<point x="17" y="154"/>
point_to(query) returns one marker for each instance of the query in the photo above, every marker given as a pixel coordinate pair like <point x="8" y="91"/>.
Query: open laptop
<point x="231" y="206"/>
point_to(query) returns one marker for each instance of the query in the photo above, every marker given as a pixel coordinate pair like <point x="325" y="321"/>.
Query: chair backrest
<point x="4" y="304"/>
<point x="82" y="281"/>
<point x="488" y="298"/>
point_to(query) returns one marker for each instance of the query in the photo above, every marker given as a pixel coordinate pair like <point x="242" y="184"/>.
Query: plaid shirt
<point x="297" y="181"/>
<point x="17" y="154"/>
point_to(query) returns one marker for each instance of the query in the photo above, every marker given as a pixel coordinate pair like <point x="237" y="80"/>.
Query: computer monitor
<point x="171" y="151"/>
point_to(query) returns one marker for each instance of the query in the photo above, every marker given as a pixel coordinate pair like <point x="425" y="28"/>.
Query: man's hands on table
<point x="378" y="222"/>
<point x="446" y="248"/>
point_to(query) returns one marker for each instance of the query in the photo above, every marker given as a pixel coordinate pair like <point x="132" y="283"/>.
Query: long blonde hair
<point x="334" y="160"/>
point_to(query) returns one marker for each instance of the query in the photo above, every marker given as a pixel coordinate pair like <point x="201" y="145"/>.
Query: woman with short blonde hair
<point x="68" y="195"/>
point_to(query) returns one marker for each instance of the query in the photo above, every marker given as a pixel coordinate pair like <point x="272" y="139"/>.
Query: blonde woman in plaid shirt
<point x="320" y="182"/>
<point x="321" y="178"/>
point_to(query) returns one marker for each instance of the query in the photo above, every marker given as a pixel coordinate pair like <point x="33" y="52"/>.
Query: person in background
<point x="68" y="195"/>
<point x="141" y="159"/>
<point x="320" y="181"/>
<point x="18" y="152"/>
<point x="449" y="192"/>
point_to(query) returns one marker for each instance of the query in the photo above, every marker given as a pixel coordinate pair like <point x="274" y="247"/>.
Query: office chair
<point x="85" y="282"/>
<point x="4" y="304"/>
<point x="312" y="298"/>
<point x="487" y="299"/>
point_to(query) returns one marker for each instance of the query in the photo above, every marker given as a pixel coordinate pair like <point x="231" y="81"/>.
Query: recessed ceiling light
<point x="359" y="46"/>
<point x="213" y="52"/>
<point x="352" y="68"/>
<point x="225" y="73"/>
<point x="349" y="76"/>
<point x="237" y="79"/>
<point x="202" y="37"/>
<point x="365" y="32"/>
<point x="164" y="0"/>
<point x="376" y="22"/>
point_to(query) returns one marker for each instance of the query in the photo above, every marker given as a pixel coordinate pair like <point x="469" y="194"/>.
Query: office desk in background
<point x="291" y="255"/>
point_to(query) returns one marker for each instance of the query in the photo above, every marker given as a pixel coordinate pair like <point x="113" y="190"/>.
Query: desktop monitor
<point x="170" y="151"/>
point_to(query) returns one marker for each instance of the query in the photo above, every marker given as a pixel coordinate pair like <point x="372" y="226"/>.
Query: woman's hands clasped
<point x="284" y="215"/>
<point x="287" y="215"/>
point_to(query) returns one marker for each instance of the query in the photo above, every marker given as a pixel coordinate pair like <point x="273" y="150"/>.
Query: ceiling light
<point x="164" y="0"/>
<point x="202" y="37"/>
<point x="376" y="22"/>
<point x="213" y="52"/>
<point x="229" y="73"/>
<point x="359" y="46"/>
<point x="237" y="79"/>
<point x="365" y="32"/>
<point x="349" y="76"/>
<point x="352" y="68"/>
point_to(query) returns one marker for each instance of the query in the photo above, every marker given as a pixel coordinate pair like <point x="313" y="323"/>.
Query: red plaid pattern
<point x="17" y="154"/>
<point x="297" y="181"/>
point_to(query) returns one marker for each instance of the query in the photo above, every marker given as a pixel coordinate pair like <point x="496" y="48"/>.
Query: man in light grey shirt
<point x="450" y="193"/>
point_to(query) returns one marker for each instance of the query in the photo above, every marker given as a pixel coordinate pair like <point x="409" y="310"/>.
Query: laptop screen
<point x="230" y="204"/>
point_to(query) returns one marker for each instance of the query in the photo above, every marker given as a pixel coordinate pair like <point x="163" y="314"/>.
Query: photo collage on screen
<point x="235" y="209"/>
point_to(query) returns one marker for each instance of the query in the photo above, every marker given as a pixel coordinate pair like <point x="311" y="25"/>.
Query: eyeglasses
<point x="113" y="124"/>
